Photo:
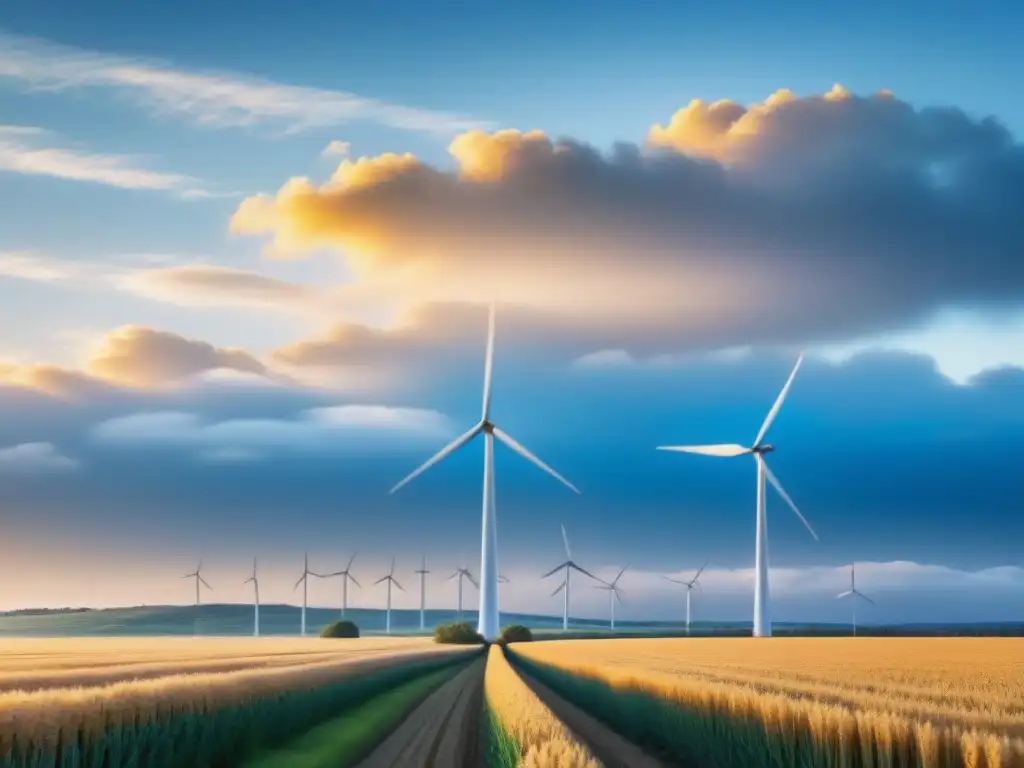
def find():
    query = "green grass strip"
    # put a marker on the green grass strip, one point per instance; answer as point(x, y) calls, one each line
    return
point(500, 749)
point(349, 738)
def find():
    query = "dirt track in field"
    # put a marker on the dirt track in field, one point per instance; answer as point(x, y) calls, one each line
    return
point(607, 746)
point(442, 731)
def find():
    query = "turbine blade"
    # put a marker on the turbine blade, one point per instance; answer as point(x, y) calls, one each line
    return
point(620, 575)
point(565, 540)
point(472, 581)
point(847, 593)
point(674, 581)
point(617, 595)
point(699, 572)
point(350, 561)
point(553, 571)
point(452, 576)
point(560, 588)
point(778, 403)
point(332, 575)
point(785, 496)
point(204, 583)
point(488, 366)
point(303, 576)
point(863, 597)
point(584, 571)
point(724, 450)
point(382, 578)
point(395, 582)
point(526, 454)
point(355, 581)
point(449, 449)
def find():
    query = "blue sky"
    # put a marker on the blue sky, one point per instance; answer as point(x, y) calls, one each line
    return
point(187, 366)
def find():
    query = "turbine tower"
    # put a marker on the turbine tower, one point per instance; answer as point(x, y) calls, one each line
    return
point(613, 593)
point(423, 593)
point(690, 586)
point(488, 626)
point(346, 575)
point(762, 614)
point(256, 604)
point(463, 573)
point(569, 567)
point(197, 574)
point(852, 592)
point(304, 581)
point(390, 579)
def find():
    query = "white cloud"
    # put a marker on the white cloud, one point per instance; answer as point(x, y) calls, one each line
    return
point(35, 458)
point(329, 429)
point(23, 151)
point(216, 99)
point(337, 149)
point(605, 358)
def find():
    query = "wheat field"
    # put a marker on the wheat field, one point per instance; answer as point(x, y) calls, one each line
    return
point(894, 701)
point(528, 733)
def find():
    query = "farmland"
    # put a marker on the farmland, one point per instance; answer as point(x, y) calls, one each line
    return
point(578, 703)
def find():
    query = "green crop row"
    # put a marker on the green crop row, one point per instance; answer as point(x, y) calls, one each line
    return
point(218, 738)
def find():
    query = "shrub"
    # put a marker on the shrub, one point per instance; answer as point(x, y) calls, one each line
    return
point(340, 629)
point(516, 633)
point(460, 633)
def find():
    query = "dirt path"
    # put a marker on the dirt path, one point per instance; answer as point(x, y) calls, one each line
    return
point(441, 732)
point(606, 745)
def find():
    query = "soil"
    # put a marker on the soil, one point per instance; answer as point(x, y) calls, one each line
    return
point(442, 731)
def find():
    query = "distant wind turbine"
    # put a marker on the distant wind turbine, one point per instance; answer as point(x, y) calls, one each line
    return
point(346, 575)
point(390, 579)
point(304, 581)
point(613, 593)
point(762, 613)
point(569, 567)
point(197, 574)
point(504, 579)
point(690, 586)
point(489, 620)
point(423, 593)
point(462, 573)
point(256, 604)
point(852, 592)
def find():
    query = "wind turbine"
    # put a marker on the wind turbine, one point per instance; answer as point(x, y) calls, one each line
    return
point(197, 574)
point(762, 615)
point(462, 573)
point(488, 626)
point(613, 593)
point(504, 579)
point(852, 592)
point(304, 581)
point(569, 567)
point(345, 576)
point(256, 605)
point(690, 586)
point(423, 593)
point(390, 579)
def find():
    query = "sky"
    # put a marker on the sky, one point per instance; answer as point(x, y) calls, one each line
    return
point(246, 253)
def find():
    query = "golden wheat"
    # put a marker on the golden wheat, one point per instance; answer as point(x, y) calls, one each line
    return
point(39, 716)
point(541, 737)
point(950, 701)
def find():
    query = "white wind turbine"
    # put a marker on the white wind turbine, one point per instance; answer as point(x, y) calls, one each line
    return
point(569, 567)
point(462, 573)
point(762, 615)
point(390, 579)
point(690, 586)
point(304, 581)
point(613, 593)
point(346, 575)
point(852, 592)
point(256, 604)
point(197, 574)
point(488, 626)
point(423, 593)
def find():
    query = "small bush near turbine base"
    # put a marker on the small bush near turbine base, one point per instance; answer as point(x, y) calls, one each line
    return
point(340, 629)
point(460, 633)
point(515, 633)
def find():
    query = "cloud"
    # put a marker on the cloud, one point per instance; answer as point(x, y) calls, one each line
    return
point(350, 428)
point(214, 99)
point(336, 148)
point(22, 151)
point(144, 357)
point(33, 458)
point(39, 269)
point(800, 220)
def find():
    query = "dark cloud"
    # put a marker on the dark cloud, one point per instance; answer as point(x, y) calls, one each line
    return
point(803, 219)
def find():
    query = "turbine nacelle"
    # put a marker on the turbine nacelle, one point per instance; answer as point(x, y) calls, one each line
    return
point(762, 449)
